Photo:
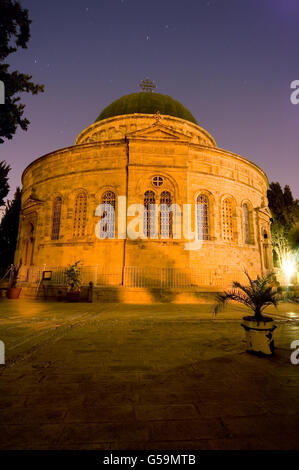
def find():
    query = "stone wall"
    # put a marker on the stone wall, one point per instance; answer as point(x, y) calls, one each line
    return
point(185, 156)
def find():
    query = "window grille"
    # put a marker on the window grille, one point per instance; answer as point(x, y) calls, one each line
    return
point(108, 202)
point(165, 215)
point(202, 214)
point(80, 215)
point(149, 213)
point(246, 223)
point(56, 218)
point(227, 220)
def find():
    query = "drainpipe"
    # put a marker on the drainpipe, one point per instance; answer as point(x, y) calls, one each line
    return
point(259, 240)
point(127, 193)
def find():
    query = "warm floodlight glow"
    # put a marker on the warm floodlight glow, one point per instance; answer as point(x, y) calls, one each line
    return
point(289, 267)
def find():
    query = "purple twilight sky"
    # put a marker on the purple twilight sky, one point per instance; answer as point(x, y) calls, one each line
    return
point(230, 62)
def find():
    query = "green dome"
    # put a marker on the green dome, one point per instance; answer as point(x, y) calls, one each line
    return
point(146, 103)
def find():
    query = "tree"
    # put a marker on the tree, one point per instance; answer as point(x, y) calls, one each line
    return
point(294, 237)
point(4, 186)
point(284, 208)
point(285, 212)
point(276, 201)
point(14, 33)
point(280, 242)
point(9, 230)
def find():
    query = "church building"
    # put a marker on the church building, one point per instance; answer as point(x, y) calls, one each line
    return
point(145, 149)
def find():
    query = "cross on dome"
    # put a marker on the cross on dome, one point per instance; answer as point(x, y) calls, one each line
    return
point(147, 85)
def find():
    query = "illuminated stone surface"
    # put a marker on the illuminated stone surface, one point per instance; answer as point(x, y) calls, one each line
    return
point(142, 377)
point(122, 155)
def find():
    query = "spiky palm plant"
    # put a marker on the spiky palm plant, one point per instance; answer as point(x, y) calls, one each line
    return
point(73, 277)
point(257, 296)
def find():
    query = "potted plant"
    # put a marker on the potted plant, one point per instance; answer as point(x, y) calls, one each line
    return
point(13, 292)
point(73, 281)
point(257, 296)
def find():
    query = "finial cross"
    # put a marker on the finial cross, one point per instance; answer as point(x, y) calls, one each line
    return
point(157, 116)
point(147, 85)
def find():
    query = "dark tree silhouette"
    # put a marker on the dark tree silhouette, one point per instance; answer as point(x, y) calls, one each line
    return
point(9, 230)
point(294, 237)
point(284, 208)
point(285, 213)
point(4, 186)
point(14, 33)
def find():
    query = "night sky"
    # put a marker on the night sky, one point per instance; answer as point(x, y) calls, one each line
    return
point(230, 62)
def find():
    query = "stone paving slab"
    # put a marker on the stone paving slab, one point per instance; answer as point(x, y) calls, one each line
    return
point(166, 412)
point(143, 377)
point(187, 430)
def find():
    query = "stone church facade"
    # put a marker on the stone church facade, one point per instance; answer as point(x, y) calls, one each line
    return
point(150, 158)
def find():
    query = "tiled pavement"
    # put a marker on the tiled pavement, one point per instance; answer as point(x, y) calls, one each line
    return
point(90, 376)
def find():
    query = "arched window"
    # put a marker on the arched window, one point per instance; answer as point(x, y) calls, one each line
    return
point(227, 220)
point(149, 213)
point(56, 218)
point(80, 215)
point(246, 223)
point(165, 215)
point(202, 217)
point(108, 202)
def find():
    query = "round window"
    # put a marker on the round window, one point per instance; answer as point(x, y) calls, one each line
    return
point(157, 181)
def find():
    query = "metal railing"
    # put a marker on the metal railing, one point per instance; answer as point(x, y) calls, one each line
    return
point(134, 276)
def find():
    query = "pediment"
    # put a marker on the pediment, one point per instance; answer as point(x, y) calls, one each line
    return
point(264, 211)
point(32, 202)
point(158, 132)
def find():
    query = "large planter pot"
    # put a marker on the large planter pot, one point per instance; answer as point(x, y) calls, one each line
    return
point(73, 296)
point(13, 292)
point(259, 335)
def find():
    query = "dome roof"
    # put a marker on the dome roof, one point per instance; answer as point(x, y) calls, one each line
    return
point(146, 103)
